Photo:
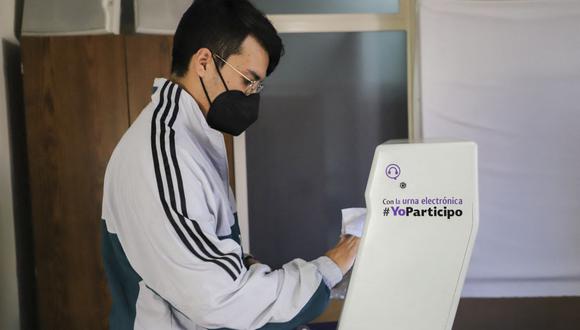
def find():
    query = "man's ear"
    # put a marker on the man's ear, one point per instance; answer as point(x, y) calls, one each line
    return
point(200, 62)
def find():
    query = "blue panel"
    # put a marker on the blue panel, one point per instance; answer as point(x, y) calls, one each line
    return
point(333, 98)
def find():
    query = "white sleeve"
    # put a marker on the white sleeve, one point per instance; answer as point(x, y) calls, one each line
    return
point(168, 234)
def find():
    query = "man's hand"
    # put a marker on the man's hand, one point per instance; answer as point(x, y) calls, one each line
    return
point(344, 253)
point(250, 260)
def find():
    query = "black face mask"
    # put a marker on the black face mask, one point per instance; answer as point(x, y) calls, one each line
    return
point(232, 112)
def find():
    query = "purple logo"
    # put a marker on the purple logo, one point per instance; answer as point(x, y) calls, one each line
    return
point(393, 171)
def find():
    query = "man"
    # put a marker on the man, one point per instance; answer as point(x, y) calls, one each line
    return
point(171, 244)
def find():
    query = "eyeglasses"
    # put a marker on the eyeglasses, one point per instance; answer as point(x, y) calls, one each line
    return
point(254, 87)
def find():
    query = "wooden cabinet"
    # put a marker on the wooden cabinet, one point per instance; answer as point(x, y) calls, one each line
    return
point(147, 57)
point(75, 92)
point(81, 94)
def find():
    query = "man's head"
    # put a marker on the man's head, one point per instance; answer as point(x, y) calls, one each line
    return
point(213, 32)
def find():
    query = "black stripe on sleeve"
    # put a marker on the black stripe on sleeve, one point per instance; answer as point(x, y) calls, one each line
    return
point(170, 185)
point(160, 187)
point(181, 193)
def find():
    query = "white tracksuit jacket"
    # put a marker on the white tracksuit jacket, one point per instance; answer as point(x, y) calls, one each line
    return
point(170, 238)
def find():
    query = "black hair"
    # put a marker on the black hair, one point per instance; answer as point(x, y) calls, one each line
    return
point(222, 26)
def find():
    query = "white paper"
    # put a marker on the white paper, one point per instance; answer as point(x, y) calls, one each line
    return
point(353, 221)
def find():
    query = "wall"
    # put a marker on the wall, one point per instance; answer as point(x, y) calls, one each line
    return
point(9, 306)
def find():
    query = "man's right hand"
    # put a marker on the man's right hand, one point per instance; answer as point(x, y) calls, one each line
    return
point(344, 253)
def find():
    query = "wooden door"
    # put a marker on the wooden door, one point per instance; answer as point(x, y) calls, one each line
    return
point(75, 91)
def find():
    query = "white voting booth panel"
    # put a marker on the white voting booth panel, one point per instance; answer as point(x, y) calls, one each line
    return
point(422, 219)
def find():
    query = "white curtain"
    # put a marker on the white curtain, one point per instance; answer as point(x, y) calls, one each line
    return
point(70, 17)
point(506, 74)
